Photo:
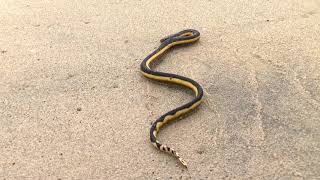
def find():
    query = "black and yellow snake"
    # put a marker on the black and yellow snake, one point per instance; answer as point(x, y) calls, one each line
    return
point(183, 37)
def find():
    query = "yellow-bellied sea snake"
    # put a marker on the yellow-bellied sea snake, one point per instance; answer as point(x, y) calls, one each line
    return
point(183, 37)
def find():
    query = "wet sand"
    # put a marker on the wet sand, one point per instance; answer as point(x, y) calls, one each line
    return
point(73, 104)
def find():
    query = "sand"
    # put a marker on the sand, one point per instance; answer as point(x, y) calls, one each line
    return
point(73, 104)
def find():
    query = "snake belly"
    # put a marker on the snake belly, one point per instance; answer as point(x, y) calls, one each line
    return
point(182, 37)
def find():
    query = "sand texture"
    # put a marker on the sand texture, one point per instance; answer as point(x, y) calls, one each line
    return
point(74, 105)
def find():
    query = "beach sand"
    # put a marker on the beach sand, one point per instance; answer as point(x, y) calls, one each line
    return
point(74, 105)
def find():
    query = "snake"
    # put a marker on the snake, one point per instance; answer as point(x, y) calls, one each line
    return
point(183, 37)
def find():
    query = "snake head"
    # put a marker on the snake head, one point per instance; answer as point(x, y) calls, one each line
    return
point(182, 35)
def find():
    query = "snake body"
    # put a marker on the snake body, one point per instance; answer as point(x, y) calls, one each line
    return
point(182, 37)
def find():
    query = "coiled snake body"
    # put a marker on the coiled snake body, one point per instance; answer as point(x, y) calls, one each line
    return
point(183, 37)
